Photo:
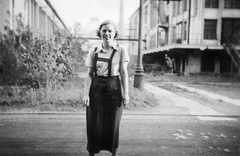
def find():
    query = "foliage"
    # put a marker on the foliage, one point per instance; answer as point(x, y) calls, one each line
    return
point(36, 59)
point(10, 67)
point(65, 98)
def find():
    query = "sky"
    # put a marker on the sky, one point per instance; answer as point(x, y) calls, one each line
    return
point(73, 11)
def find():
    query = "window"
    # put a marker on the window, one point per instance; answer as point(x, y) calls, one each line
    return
point(174, 9)
point(135, 34)
point(174, 34)
point(154, 17)
point(211, 3)
point(131, 29)
point(179, 33)
point(184, 5)
point(145, 43)
point(231, 27)
point(232, 4)
point(159, 40)
point(185, 30)
point(210, 29)
point(35, 16)
point(146, 14)
point(151, 39)
point(237, 27)
point(178, 7)
point(154, 41)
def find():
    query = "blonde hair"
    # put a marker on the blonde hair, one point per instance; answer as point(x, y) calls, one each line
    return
point(106, 23)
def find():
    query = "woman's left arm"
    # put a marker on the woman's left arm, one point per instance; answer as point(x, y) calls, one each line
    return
point(125, 83)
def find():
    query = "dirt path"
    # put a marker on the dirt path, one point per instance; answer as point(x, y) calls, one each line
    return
point(217, 104)
point(231, 90)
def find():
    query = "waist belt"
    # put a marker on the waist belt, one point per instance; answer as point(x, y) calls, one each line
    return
point(107, 77)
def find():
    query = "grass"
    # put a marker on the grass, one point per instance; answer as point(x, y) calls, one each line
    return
point(227, 86)
point(159, 76)
point(67, 98)
point(141, 98)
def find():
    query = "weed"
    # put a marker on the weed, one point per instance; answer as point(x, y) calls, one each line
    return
point(67, 97)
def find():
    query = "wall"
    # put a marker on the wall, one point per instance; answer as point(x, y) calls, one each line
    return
point(196, 22)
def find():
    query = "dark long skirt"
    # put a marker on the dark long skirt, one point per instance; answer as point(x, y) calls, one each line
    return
point(104, 114)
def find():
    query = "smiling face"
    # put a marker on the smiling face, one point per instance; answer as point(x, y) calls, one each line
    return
point(107, 33)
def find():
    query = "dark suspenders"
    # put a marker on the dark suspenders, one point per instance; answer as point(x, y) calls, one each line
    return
point(109, 61)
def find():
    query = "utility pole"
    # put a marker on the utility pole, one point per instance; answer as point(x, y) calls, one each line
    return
point(121, 19)
point(189, 20)
point(139, 75)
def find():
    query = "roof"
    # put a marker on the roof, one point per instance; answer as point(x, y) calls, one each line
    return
point(51, 12)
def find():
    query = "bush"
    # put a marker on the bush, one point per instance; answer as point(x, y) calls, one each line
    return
point(11, 69)
point(38, 61)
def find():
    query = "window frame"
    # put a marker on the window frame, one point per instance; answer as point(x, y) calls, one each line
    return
point(212, 4)
point(210, 29)
point(184, 30)
point(146, 14)
point(178, 7)
point(174, 9)
point(185, 5)
point(232, 4)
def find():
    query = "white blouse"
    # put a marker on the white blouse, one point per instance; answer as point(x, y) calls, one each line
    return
point(119, 57)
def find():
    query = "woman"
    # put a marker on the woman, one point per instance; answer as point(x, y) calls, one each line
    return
point(106, 90)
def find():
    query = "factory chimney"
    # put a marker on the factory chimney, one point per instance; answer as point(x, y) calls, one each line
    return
point(121, 19)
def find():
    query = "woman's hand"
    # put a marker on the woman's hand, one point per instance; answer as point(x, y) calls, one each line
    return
point(86, 100)
point(88, 82)
point(125, 99)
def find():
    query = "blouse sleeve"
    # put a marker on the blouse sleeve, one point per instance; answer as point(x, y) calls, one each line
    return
point(124, 55)
point(89, 62)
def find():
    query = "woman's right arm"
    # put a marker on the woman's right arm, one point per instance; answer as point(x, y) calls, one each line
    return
point(88, 82)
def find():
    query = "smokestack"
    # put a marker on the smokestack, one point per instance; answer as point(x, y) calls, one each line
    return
point(121, 19)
